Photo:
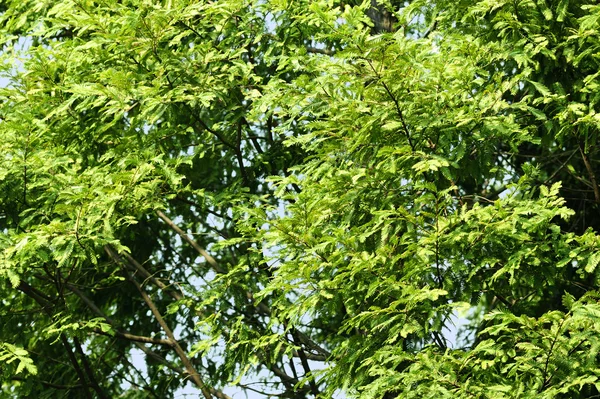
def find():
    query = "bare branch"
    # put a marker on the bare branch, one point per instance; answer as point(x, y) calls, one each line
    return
point(323, 51)
point(211, 261)
point(591, 174)
point(180, 352)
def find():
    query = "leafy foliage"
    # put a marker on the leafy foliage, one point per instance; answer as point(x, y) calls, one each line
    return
point(300, 198)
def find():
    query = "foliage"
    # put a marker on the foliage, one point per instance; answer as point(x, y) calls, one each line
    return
point(300, 198)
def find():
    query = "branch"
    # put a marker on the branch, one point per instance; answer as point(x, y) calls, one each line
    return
point(310, 356)
point(261, 306)
point(135, 338)
point(49, 384)
point(76, 366)
point(88, 369)
point(590, 171)
point(138, 340)
point(211, 261)
point(208, 129)
point(253, 139)
point(137, 267)
point(32, 293)
point(560, 168)
point(306, 367)
point(396, 103)
point(547, 378)
point(118, 333)
point(239, 156)
point(180, 352)
point(323, 51)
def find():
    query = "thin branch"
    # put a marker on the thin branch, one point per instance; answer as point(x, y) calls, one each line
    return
point(396, 103)
point(135, 338)
point(118, 333)
point(88, 369)
point(306, 367)
point(31, 292)
point(239, 156)
point(591, 174)
point(207, 209)
point(252, 138)
point(180, 352)
point(211, 261)
point(208, 129)
point(261, 306)
point(137, 267)
point(547, 378)
point(48, 384)
point(560, 167)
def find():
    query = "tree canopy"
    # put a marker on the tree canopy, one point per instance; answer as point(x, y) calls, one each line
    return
point(300, 199)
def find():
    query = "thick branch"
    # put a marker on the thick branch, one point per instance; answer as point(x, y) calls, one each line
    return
point(76, 366)
point(88, 369)
point(383, 20)
point(323, 51)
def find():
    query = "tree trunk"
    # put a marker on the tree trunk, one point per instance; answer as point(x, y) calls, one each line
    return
point(383, 20)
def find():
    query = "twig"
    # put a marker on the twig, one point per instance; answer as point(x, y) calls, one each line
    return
point(590, 171)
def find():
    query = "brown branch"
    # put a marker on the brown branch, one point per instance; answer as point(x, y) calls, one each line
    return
point(307, 371)
point(285, 378)
point(559, 168)
point(219, 394)
point(309, 356)
point(394, 100)
point(323, 51)
point(88, 369)
point(239, 156)
point(209, 259)
point(118, 333)
point(253, 139)
point(76, 366)
point(138, 268)
point(49, 384)
point(135, 338)
point(180, 352)
point(204, 126)
point(33, 294)
point(261, 306)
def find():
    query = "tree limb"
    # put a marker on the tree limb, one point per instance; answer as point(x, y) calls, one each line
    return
point(591, 174)
point(195, 377)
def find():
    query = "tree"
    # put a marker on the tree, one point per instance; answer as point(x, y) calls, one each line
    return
point(299, 198)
